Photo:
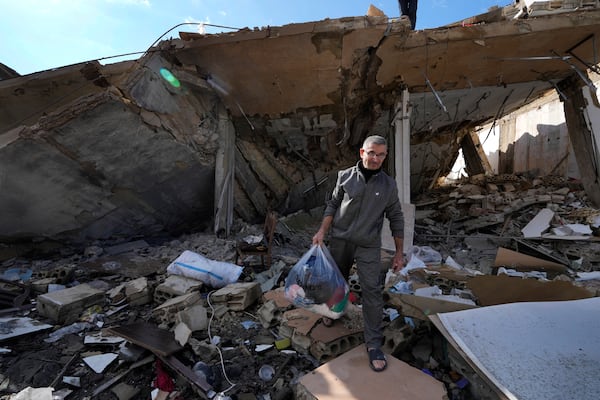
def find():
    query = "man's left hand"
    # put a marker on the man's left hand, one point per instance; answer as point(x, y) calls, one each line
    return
point(398, 262)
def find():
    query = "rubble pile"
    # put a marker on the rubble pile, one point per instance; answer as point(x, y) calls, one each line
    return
point(471, 219)
point(115, 321)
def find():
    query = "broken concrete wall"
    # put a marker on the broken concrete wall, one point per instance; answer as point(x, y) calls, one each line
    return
point(533, 140)
point(132, 156)
point(262, 119)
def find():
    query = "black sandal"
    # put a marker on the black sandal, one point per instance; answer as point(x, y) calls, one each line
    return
point(376, 354)
point(327, 321)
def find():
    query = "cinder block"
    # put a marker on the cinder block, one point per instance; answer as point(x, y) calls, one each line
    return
point(166, 312)
point(324, 352)
point(174, 286)
point(269, 314)
point(237, 296)
point(136, 292)
point(195, 317)
point(395, 340)
point(301, 343)
point(62, 275)
point(285, 331)
point(65, 306)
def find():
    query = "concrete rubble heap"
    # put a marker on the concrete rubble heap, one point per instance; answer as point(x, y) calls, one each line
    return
point(111, 321)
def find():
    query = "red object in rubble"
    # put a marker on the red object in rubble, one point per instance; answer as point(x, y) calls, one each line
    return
point(163, 380)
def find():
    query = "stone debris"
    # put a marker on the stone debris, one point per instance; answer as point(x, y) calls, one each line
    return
point(469, 251)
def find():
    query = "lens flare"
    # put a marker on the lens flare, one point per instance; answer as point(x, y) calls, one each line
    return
point(169, 77)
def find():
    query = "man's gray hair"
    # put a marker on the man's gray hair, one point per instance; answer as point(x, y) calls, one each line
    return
point(374, 139)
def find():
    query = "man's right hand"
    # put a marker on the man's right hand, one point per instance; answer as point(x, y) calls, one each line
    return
point(318, 238)
point(320, 235)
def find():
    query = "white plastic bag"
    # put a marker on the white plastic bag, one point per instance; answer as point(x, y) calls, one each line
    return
point(316, 283)
point(214, 273)
point(426, 254)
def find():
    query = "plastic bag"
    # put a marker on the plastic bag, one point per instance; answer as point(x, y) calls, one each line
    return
point(426, 254)
point(214, 273)
point(316, 283)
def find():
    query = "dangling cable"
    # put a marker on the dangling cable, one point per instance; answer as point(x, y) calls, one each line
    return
point(212, 314)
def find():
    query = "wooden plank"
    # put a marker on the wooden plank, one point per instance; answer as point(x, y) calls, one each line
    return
point(187, 373)
point(107, 384)
point(159, 341)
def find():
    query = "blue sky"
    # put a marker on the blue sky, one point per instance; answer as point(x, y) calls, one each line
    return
point(44, 34)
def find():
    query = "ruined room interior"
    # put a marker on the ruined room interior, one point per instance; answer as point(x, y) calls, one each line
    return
point(110, 172)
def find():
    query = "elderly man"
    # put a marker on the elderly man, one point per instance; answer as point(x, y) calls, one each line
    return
point(363, 195)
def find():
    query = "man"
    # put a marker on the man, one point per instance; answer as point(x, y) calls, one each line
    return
point(354, 215)
point(409, 8)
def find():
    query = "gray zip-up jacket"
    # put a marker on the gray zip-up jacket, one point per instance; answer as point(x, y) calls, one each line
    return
point(359, 207)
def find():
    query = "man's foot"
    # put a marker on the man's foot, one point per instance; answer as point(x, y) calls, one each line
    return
point(377, 360)
point(404, 20)
point(327, 321)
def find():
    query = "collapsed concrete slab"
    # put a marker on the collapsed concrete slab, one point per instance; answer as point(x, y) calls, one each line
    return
point(208, 127)
point(535, 350)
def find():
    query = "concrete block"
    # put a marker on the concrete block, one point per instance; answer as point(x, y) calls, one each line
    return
point(301, 343)
point(182, 333)
point(61, 275)
point(137, 292)
point(285, 331)
point(395, 340)
point(237, 296)
point(65, 306)
point(166, 313)
point(195, 317)
point(324, 352)
point(174, 286)
point(269, 314)
point(41, 285)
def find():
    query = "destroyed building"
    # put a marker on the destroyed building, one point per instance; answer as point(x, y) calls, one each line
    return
point(190, 138)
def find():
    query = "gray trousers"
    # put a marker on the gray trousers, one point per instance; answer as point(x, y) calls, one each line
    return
point(372, 279)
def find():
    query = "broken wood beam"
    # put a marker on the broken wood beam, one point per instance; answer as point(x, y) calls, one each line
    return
point(120, 376)
point(63, 370)
point(187, 373)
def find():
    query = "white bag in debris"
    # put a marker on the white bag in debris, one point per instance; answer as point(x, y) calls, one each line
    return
point(214, 273)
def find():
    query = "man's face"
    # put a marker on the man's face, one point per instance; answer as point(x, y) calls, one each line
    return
point(373, 155)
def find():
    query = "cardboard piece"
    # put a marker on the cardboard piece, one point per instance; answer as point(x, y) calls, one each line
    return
point(349, 377)
point(522, 262)
point(502, 289)
point(302, 320)
point(421, 307)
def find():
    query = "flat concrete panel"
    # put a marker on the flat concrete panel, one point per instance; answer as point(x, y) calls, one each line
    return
point(532, 351)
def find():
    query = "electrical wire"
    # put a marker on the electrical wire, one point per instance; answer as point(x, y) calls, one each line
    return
point(210, 338)
point(189, 23)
